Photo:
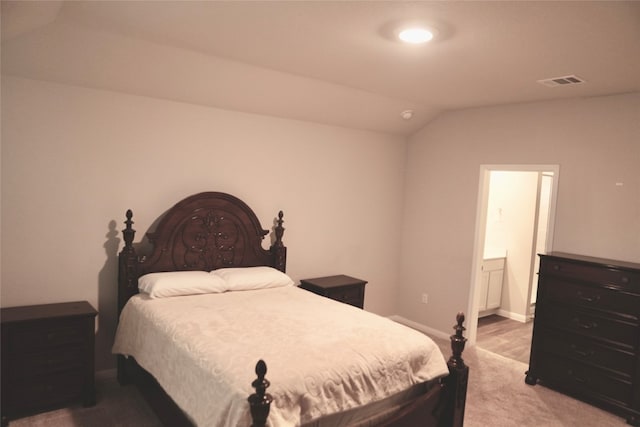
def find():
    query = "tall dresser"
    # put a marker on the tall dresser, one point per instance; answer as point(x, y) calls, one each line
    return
point(586, 334)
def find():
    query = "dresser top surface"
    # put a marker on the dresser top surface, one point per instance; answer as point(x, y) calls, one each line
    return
point(47, 311)
point(593, 260)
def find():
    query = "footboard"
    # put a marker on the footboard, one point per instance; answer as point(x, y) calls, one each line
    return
point(442, 406)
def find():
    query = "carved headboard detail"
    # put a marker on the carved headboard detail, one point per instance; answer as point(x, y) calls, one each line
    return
point(205, 231)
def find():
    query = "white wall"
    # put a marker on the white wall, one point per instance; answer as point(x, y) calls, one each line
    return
point(596, 143)
point(74, 159)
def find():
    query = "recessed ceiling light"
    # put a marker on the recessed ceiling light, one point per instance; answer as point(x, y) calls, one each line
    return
point(407, 114)
point(415, 35)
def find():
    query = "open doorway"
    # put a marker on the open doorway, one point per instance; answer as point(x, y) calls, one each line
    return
point(514, 222)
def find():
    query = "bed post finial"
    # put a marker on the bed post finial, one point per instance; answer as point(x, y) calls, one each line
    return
point(128, 233)
point(458, 341)
point(456, 381)
point(279, 229)
point(260, 401)
point(278, 249)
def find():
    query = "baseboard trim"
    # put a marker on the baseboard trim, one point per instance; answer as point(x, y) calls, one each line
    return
point(513, 316)
point(419, 326)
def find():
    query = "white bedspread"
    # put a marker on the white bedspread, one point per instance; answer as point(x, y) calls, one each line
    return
point(322, 356)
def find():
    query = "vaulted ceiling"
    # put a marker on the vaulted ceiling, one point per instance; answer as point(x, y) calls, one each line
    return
point(333, 62)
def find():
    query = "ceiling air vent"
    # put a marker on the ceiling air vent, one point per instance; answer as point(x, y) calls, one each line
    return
point(562, 81)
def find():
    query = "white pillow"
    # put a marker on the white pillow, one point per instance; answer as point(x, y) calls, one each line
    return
point(175, 283)
point(247, 278)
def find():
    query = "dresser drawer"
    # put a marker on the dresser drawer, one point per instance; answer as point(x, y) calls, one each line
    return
point(35, 336)
point(590, 325)
point(49, 390)
point(587, 351)
point(611, 299)
point(586, 380)
point(591, 273)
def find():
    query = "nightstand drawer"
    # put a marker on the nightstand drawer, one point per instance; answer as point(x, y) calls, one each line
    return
point(62, 359)
point(33, 336)
point(349, 294)
point(49, 390)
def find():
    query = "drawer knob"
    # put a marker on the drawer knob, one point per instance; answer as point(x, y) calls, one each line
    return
point(588, 298)
point(580, 352)
point(585, 325)
point(576, 378)
point(556, 267)
point(624, 279)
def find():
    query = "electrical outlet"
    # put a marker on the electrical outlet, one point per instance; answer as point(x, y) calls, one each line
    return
point(425, 298)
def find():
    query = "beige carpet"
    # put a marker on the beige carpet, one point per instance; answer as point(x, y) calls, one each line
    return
point(497, 397)
point(117, 407)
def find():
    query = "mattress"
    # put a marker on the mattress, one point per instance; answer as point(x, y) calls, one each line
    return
point(324, 358)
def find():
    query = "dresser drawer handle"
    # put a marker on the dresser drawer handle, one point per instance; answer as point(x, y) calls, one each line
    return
point(51, 336)
point(577, 379)
point(624, 279)
point(556, 267)
point(592, 298)
point(582, 353)
point(585, 325)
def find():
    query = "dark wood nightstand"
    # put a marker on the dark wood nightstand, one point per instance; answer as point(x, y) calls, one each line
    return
point(47, 357)
point(341, 288)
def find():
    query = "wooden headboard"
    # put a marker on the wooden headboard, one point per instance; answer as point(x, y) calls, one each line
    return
point(205, 231)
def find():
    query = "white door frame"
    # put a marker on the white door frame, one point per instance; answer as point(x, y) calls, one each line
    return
point(479, 238)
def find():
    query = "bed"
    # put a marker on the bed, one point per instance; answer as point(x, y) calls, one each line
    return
point(214, 333)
